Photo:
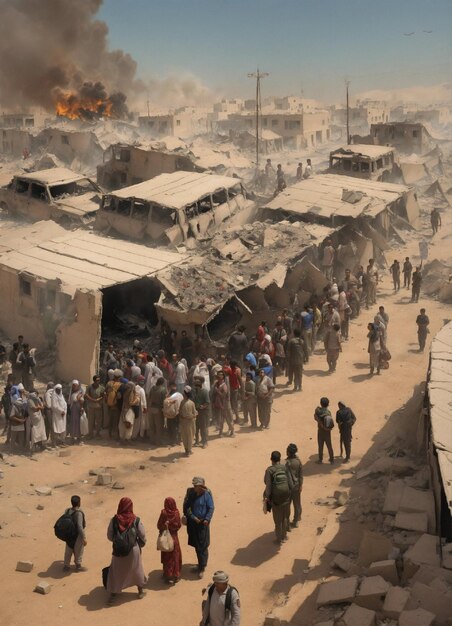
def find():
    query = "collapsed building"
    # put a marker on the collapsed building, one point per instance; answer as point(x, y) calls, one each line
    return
point(363, 214)
point(363, 161)
point(407, 137)
point(63, 290)
point(176, 208)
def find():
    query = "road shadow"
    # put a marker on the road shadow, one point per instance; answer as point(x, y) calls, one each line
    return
point(55, 570)
point(311, 467)
point(95, 600)
point(316, 373)
point(285, 584)
point(361, 366)
point(359, 378)
point(169, 458)
point(258, 551)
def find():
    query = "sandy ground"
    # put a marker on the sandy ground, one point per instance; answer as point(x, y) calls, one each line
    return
point(242, 536)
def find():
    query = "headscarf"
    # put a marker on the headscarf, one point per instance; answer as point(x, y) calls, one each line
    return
point(171, 512)
point(57, 401)
point(125, 514)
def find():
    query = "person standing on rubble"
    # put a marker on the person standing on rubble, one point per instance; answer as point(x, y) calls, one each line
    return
point(435, 220)
point(345, 419)
point(395, 273)
point(407, 269)
point(422, 322)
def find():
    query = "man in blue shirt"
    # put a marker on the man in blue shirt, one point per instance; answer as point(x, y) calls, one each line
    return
point(307, 321)
point(198, 509)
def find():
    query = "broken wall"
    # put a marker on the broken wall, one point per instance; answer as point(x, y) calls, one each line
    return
point(14, 141)
point(78, 338)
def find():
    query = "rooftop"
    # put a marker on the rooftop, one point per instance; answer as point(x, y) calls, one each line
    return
point(366, 150)
point(322, 195)
point(79, 259)
point(53, 176)
point(178, 189)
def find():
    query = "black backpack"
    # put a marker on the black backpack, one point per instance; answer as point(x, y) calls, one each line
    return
point(123, 542)
point(65, 527)
point(227, 603)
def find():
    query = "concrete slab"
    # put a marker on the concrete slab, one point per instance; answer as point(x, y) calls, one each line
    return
point(337, 591)
point(412, 521)
point(24, 566)
point(373, 547)
point(386, 569)
point(393, 496)
point(358, 616)
point(342, 562)
point(416, 617)
point(424, 551)
point(430, 599)
point(43, 587)
point(395, 602)
point(419, 500)
point(372, 593)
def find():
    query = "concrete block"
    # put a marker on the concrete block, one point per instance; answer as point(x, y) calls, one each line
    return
point(43, 587)
point(43, 491)
point(395, 602)
point(65, 452)
point(430, 599)
point(386, 569)
point(425, 550)
point(342, 562)
point(412, 521)
point(97, 470)
point(416, 617)
point(427, 573)
point(372, 592)
point(440, 585)
point(358, 616)
point(393, 496)
point(373, 547)
point(117, 485)
point(104, 479)
point(24, 566)
point(419, 501)
point(337, 591)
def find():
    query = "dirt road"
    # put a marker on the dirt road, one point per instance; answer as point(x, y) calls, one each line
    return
point(242, 538)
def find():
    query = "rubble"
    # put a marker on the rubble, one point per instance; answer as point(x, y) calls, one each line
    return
point(373, 547)
point(337, 591)
point(104, 479)
point(416, 617)
point(372, 592)
point(343, 563)
point(43, 491)
point(412, 521)
point(395, 601)
point(43, 587)
point(24, 566)
point(117, 485)
point(386, 569)
point(358, 616)
point(430, 599)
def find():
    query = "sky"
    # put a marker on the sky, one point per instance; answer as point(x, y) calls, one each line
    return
point(306, 46)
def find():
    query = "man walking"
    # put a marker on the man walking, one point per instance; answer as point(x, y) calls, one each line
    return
point(201, 398)
point(435, 220)
point(295, 471)
point(422, 322)
point(277, 495)
point(76, 547)
point(345, 418)
point(407, 269)
point(325, 425)
point(296, 353)
point(198, 510)
point(395, 273)
point(416, 284)
point(222, 606)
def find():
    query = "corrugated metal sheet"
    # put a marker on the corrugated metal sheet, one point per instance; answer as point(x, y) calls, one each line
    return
point(322, 195)
point(53, 176)
point(367, 150)
point(440, 397)
point(80, 259)
point(178, 189)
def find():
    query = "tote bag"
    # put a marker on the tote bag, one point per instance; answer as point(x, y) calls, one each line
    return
point(84, 428)
point(165, 542)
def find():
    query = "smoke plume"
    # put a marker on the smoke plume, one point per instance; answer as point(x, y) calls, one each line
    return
point(56, 47)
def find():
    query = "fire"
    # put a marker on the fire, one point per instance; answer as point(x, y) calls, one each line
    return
point(74, 107)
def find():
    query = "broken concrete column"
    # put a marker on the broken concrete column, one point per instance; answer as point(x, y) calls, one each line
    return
point(337, 591)
point(24, 566)
point(104, 479)
point(372, 592)
point(358, 616)
point(395, 602)
point(386, 569)
point(373, 547)
point(416, 617)
point(43, 587)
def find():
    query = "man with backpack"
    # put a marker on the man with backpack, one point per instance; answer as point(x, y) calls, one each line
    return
point(278, 486)
point(222, 606)
point(295, 471)
point(70, 528)
point(325, 425)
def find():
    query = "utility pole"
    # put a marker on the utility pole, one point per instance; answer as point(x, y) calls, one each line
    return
point(147, 103)
point(258, 75)
point(347, 83)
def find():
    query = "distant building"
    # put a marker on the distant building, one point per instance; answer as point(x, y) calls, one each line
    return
point(360, 117)
point(184, 122)
point(363, 161)
point(405, 136)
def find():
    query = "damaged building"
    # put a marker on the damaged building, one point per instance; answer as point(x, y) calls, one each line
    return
point(176, 208)
point(407, 137)
point(124, 165)
point(65, 290)
point(57, 193)
point(363, 161)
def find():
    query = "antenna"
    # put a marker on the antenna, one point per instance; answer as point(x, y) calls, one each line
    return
point(258, 75)
point(347, 83)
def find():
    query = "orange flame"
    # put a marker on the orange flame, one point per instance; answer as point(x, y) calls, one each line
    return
point(73, 107)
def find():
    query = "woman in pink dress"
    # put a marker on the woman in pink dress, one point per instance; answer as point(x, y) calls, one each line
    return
point(172, 561)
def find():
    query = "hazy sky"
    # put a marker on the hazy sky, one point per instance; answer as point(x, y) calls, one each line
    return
point(311, 45)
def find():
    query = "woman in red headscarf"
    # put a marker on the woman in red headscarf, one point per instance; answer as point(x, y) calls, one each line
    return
point(126, 571)
point(172, 561)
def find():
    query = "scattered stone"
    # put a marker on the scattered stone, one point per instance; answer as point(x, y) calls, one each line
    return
point(373, 547)
point(419, 501)
point(40, 507)
point(418, 617)
point(372, 593)
point(65, 452)
point(337, 591)
point(438, 584)
point(341, 497)
point(412, 521)
point(424, 551)
point(386, 569)
point(358, 616)
point(104, 479)
point(24, 566)
point(427, 598)
point(342, 562)
point(43, 491)
point(395, 602)
point(98, 470)
point(275, 621)
point(393, 496)
point(43, 587)
point(117, 485)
